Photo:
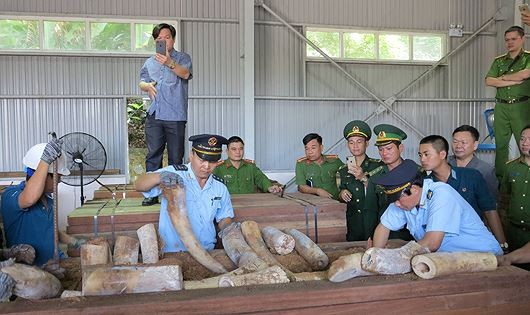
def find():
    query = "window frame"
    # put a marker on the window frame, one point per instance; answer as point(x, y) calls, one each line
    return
point(87, 21)
point(377, 34)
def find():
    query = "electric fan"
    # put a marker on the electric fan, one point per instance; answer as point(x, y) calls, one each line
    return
point(85, 158)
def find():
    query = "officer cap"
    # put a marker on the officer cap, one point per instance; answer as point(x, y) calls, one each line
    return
point(388, 133)
point(357, 128)
point(208, 147)
point(397, 180)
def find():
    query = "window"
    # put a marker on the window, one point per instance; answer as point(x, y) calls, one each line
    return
point(376, 45)
point(78, 35)
point(19, 34)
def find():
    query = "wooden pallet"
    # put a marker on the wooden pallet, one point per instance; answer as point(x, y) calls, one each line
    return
point(294, 211)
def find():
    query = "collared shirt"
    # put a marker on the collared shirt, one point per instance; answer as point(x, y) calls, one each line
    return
point(487, 170)
point(203, 205)
point(515, 186)
point(442, 209)
point(243, 180)
point(33, 225)
point(470, 184)
point(171, 102)
point(501, 66)
point(321, 176)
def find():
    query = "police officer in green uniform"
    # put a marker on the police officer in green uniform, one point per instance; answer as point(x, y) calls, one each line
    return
point(515, 195)
point(389, 145)
point(354, 178)
point(509, 73)
point(242, 176)
point(317, 173)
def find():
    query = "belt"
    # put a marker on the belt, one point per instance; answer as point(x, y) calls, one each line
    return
point(513, 100)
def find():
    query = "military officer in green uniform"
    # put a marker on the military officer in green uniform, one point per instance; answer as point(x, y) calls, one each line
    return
point(509, 73)
point(515, 195)
point(317, 173)
point(389, 144)
point(242, 176)
point(354, 178)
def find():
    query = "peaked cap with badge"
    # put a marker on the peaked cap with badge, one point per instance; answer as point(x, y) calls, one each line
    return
point(208, 147)
point(388, 133)
point(357, 128)
point(397, 180)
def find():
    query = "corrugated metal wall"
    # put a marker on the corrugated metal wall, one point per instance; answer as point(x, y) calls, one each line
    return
point(210, 35)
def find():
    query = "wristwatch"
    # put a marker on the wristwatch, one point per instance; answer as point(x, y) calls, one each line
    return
point(172, 64)
point(504, 245)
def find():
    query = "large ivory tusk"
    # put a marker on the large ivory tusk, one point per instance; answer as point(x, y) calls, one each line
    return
point(252, 233)
point(278, 242)
point(33, 283)
point(434, 265)
point(347, 267)
point(316, 258)
point(148, 243)
point(176, 207)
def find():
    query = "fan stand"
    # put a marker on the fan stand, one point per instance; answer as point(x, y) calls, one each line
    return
point(78, 159)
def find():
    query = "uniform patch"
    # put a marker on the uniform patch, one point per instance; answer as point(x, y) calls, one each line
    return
point(429, 194)
point(180, 167)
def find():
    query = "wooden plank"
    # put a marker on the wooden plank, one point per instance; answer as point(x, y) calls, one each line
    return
point(506, 289)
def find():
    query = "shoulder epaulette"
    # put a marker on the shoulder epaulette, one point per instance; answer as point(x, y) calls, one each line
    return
point(217, 178)
point(331, 156)
point(375, 171)
point(512, 160)
point(180, 167)
point(249, 161)
point(219, 163)
point(301, 159)
point(500, 56)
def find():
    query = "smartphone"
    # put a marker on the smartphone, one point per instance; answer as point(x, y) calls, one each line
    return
point(351, 161)
point(524, 8)
point(161, 47)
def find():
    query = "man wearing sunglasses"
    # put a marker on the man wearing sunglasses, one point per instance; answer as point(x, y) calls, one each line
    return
point(437, 216)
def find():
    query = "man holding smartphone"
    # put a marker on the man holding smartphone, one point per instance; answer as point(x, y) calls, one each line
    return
point(165, 77)
point(354, 178)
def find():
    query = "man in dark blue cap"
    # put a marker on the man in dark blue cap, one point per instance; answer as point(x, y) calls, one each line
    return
point(207, 198)
point(435, 214)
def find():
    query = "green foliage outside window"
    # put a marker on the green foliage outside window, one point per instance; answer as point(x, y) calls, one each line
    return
point(329, 42)
point(76, 34)
point(395, 47)
point(375, 45)
point(427, 47)
point(359, 46)
point(63, 35)
point(19, 34)
point(144, 41)
point(110, 36)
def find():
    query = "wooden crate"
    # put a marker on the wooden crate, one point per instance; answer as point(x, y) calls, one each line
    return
point(294, 211)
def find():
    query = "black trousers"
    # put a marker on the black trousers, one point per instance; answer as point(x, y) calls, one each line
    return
point(158, 133)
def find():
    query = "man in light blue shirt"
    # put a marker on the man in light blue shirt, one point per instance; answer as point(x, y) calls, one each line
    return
point(434, 213)
point(165, 77)
point(207, 198)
